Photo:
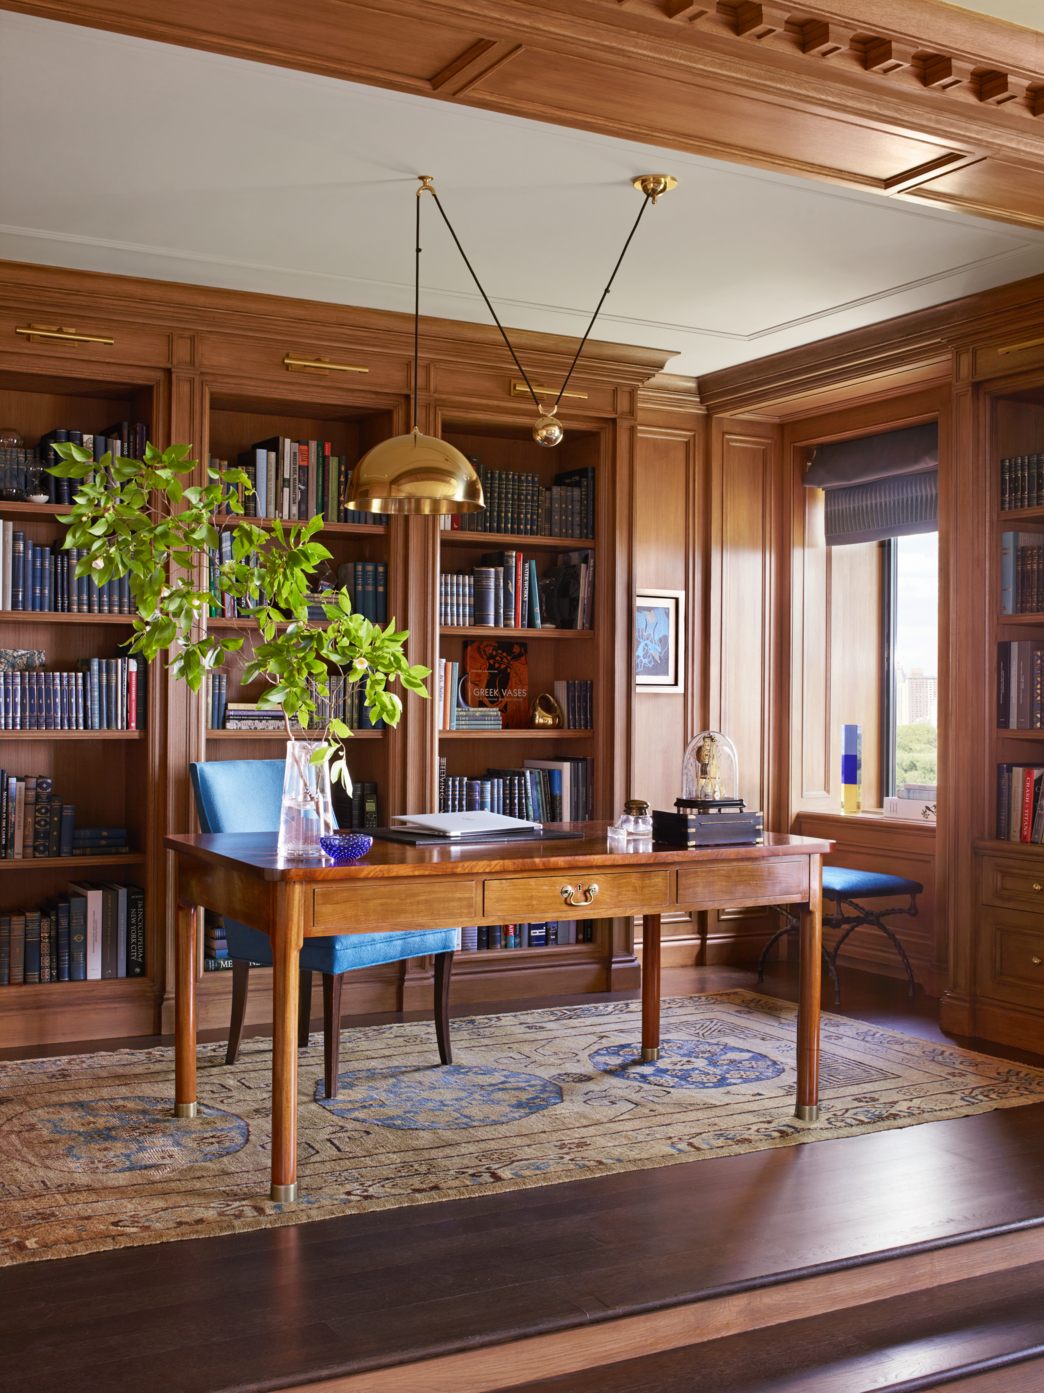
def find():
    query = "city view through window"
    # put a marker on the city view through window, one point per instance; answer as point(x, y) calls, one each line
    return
point(916, 659)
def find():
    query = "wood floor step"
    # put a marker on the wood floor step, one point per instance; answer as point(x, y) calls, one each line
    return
point(584, 1356)
point(983, 1335)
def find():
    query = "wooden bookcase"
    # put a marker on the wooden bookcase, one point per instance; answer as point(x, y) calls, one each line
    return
point(110, 776)
point(207, 368)
point(1009, 952)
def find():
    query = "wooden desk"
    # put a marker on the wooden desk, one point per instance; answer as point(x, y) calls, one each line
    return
point(396, 887)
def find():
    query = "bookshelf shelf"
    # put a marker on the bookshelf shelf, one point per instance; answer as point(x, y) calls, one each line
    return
point(516, 734)
point(489, 631)
point(282, 735)
point(219, 622)
point(50, 511)
point(73, 735)
point(1020, 734)
point(1022, 620)
point(47, 616)
point(509, 541)
point(343, 529)
point(1033, 851)
point(1019, 515)
point(69, 863)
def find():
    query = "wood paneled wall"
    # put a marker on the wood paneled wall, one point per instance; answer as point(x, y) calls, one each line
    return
point(668, 528)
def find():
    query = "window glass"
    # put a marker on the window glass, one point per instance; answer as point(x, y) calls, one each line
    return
point(915, 658)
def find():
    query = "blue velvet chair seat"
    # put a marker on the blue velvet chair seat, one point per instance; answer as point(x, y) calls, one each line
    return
point(346, 951)
point(840, 883)
point(245, 796)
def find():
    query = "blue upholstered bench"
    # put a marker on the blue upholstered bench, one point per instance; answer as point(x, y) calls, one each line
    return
point(848, 887)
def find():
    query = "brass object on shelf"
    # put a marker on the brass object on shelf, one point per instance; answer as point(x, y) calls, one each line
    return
point(415, 474)
point(37, 333)
point(319, 366)
point(519, 389)
point(546, 714)
point(653, 185)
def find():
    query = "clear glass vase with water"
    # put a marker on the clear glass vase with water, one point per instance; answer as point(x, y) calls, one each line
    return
point(307, 809)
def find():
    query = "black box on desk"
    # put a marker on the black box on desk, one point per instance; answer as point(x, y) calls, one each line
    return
point(727, 828)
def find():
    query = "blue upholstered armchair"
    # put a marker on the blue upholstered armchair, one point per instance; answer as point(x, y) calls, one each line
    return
point(244, 795)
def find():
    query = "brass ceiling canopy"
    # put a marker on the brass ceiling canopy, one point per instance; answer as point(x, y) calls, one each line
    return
point(415, 474)
point(652, 185)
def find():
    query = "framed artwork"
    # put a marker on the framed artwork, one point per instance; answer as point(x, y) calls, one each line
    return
point(659, 640)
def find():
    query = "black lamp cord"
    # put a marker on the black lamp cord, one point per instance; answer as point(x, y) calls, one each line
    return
point(496, 320)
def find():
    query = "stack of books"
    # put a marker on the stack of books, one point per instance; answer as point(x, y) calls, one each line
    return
point(295, 480)
point(1022, 481)
point(576, 702)
point(124, 438)
point(518, 506)
point(544, 790)
point(95, 930)
point(43, 579)
point(1020, 806)
point(1022, 573)
point(105, 694)
point(1020, 685)
point(35, 823)
point(505, 937)
point(452, 711)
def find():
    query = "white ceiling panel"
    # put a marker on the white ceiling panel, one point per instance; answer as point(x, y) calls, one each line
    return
point(121, 155)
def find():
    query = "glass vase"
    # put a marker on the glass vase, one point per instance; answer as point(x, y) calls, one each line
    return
point(306, 813)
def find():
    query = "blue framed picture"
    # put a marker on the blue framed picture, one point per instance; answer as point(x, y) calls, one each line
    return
point(659, 640)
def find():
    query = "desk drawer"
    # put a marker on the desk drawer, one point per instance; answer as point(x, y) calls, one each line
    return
point(732, 884)
point(1012, 883)
point(385, 904)
point(540, 896)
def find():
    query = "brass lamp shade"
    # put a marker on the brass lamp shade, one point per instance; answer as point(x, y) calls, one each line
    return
point(414, 474)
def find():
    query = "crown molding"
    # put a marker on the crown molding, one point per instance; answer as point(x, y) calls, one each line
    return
point(902, 353)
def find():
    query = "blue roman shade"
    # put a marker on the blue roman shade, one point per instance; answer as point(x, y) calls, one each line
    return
point(879, 485)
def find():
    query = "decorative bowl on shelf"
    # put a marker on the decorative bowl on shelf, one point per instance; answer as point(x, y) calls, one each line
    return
point(345, 847)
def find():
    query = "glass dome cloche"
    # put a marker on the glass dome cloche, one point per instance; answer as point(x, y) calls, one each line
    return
point(710, 770)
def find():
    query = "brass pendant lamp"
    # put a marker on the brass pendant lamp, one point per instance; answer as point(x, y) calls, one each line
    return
point(418, 473)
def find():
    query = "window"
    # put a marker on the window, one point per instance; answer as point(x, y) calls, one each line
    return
point(910, 661)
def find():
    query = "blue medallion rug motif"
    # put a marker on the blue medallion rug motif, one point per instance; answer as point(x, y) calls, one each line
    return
point(92, 1158)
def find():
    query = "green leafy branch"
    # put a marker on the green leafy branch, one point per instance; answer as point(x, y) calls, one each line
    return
point(137, 518)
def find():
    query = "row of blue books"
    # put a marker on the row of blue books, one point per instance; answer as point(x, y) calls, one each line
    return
point(122, 438)
point(43, 579)
point(94, 931)
point(103, 694)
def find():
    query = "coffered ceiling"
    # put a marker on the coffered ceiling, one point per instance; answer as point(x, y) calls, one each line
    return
point(196, 167)
point(907, 98)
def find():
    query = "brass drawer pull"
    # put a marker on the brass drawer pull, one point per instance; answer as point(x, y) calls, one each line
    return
point(317, 365)
point(567, 895)
point(1036, 886)
point(52, 331)
point(1035, 962)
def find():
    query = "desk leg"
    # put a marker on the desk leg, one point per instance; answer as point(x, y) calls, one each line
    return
point(811, 964)
point(185, 1104)
point(650, 987)
point(287, 937)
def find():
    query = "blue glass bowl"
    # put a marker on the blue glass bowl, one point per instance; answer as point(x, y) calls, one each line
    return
point(345, 847)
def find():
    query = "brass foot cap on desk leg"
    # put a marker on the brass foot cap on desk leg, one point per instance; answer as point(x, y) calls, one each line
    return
point(807, 1112)
point(284, 1194)
point(186, 1109)
point(648, 1055)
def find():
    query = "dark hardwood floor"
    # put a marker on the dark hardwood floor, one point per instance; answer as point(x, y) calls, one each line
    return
point(275, 1308)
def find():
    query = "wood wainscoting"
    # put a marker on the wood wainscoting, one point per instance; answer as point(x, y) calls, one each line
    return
point(870, 842)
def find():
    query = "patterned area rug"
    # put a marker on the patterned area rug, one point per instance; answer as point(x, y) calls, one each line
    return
point(91, 1158)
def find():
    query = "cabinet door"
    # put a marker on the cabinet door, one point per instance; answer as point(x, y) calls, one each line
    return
point(1012, 956)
